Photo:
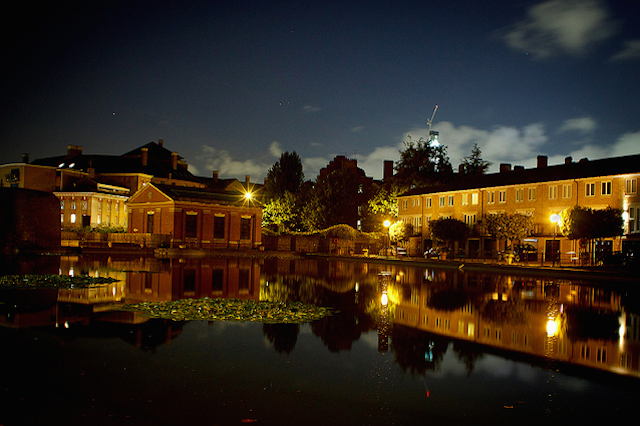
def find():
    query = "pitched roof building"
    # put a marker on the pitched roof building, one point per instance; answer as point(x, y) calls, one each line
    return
point(539, 192)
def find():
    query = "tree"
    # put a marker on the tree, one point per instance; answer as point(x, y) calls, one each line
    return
point(285, 175)
point(422, 164)
point(474, 164)
point(332, 200)
point(449, 230)
point(588, 225)
point(282, 212)
point(400, 231)
point(509, 227)
point(382, 205)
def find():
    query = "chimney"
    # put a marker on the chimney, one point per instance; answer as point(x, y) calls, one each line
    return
point(542, 161)
point(73, 150)
point(518, 168)
point(145, 156)
point(215, 176)
point(174, 160)
point(505, 167)
point(387, 170)
point(461, 169)
point(161, 142)
point(25, 158)
point(246, 179)
point(568, 160)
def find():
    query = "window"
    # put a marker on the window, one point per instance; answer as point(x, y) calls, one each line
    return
point(502, 196)
point(245, 228)
point(450, 200)
point(62, 218)
point(590, 189)
point(85, 204)
point(606, 188)
point(519, 195)
point(73, 204)
point(150, 222)
point(474, 199)
point(465, 199)
point(634, 212)
point(62, 204)
point(491, 197)
point(532, 194)
point(553, 192)
point(73, 218)
point(218, 226)
point(404, 204)
point(191, 225)
point(470, 219)
point(428, 203)
point(566, 191)
point(442, 201)
point(631, 186)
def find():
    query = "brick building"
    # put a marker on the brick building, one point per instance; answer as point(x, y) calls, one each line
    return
point(193, 217)
point(538, 192)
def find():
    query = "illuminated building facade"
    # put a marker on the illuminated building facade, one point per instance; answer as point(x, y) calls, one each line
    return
point(538, 192)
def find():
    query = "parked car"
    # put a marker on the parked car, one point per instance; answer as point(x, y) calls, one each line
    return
point(520, 252)
point(435, 252)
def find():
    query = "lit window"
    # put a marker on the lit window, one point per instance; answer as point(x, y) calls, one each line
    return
point(73, 218)
point(519, 195)
point(465, 199)
point(474, 199)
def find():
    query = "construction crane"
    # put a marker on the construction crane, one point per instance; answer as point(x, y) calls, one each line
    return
point(430, 120)
point(433, 136)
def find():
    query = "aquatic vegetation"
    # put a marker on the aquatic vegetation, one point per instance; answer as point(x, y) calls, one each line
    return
point(208, 309)
point(52, 281)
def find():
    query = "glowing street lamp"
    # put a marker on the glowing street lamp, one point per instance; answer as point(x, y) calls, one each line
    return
point(555, 218)
point(387, 224)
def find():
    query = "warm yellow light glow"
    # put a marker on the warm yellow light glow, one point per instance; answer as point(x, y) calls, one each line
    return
point(384, 299)
point(248, 195)
point(387, 224)
point(552, 327)
point(555, 218)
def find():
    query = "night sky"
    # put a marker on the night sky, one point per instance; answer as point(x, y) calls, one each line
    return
point(230, 85)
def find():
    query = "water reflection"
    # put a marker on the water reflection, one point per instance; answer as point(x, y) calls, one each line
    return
point(418, 313)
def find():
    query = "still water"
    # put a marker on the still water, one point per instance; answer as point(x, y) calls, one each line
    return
point(409, 344)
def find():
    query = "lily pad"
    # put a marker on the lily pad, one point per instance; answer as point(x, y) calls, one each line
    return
point(207, 309)
point(52, 281)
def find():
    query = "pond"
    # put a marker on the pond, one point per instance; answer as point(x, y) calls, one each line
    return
point(405, 344)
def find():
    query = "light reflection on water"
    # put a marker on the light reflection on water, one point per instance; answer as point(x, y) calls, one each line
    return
point(409, 343)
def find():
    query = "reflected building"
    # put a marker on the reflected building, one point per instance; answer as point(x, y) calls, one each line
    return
point(564, 322)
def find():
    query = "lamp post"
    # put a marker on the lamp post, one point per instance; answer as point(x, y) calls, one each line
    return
point(554, 219)
point(387, 224)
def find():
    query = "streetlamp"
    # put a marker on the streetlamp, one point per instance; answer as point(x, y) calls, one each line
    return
point(555, 218)
point(387, 224)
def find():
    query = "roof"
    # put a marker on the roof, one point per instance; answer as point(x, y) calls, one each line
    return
point(582, 169)
point(203, 195)
point(158, 163)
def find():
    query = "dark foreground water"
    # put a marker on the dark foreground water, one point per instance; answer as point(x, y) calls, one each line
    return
point(410, 345)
